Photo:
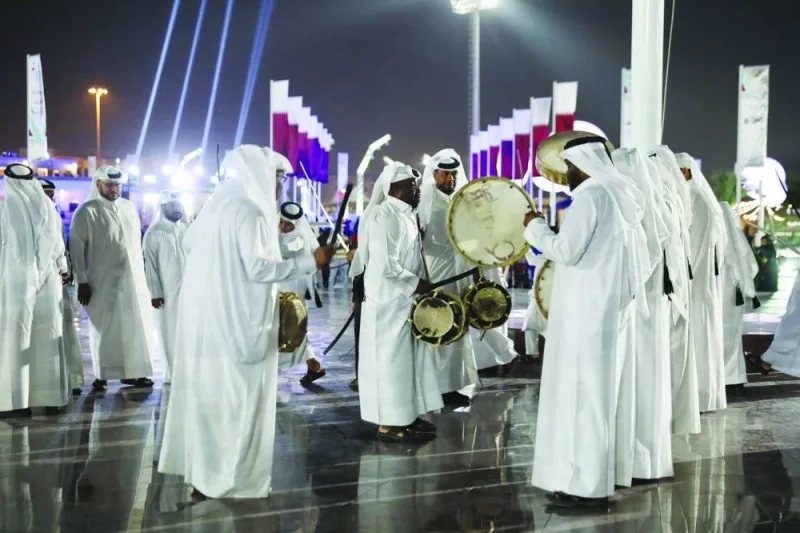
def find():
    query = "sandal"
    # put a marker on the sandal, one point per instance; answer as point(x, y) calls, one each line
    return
point(421, 426)
point(562, 499)
point(312, 376)
point(402, 435)
point(99, 385)
point(757, 362)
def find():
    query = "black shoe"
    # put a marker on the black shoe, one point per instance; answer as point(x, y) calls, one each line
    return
point(354, 385)
point(99, 385)
point(312, 376)
point(139, 383)
point(77, 391)
point(455, 399)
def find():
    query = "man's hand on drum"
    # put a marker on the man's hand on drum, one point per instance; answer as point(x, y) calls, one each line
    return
point(529, 216)
point(423, 287)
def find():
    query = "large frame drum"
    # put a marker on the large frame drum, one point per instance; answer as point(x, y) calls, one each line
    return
point(293, 321)
point(543, 287)
point(488, 305)
point(438, 318)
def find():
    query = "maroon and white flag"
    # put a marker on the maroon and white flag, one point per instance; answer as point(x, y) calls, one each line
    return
point(494, 151)
point(279, 116)
point(484, 159)
point(522, 142)
point(565, 104)
point(506, 147)
point(474, 155)
point(540, 126)
point(295, 109)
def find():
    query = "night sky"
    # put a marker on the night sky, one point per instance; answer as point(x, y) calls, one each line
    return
point(369, 67)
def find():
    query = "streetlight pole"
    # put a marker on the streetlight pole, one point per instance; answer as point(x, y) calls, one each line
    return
point(473, 8)
point(98, 93)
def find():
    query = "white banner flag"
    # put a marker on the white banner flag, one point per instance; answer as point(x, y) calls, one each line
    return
point(37, 115)
point(626, 129)
point(751, 141)
point(342, 171)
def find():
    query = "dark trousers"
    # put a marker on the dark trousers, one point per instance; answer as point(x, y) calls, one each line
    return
point(358, 298)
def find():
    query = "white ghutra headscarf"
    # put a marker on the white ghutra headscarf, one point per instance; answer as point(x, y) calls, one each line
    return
point(447, 159)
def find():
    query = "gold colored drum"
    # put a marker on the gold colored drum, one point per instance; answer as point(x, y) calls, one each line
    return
point(488, 305)
point(293, 322)
point(438, 318)
point(549, 162)
point(543, 287)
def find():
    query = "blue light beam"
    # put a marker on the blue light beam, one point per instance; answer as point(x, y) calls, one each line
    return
point(222, 42)
point(262, 30)
point(164, 48)
point(189, 67)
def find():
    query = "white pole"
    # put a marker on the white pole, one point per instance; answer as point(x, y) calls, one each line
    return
point(761, 206)
point(475, 87)
point(737, 167)
point(647, 72)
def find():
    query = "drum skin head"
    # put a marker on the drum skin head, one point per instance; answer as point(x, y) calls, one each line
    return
point(488, 305)
point(438, 318)
point(485, 222)
point(292, 323)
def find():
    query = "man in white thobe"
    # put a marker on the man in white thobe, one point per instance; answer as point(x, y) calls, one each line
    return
point(220, 428)
point(650, 350)
point(70, 346)
point(298, 239)
point(33, 369)
point(739, 269)
point(783, 354)
point(397, 380)
point(677, 285)
point(535, 322)
point(596, 256)
point(106, 247)
point(443, 176)
point(164, 262)
point(708, 238)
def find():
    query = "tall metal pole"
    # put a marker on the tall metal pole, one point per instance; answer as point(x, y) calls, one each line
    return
point(647, 73)
point(97, 96)
point(475, 77)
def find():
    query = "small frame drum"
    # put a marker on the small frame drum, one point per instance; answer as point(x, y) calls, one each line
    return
point(485, 221)
point(438, 318)
point(488, 305)
point(543, 287)
point(293, 321)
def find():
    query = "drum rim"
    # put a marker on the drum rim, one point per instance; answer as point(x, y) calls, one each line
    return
point(547, 264)
point(461, 330)
point(517, 256)
point(471, 293)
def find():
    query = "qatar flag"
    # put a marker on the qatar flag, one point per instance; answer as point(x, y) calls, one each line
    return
point(522, 141)
point(326, 157)
point(295, 109)
point(494, 150)
point(506, 147)
point(279, 116)
point(565, 103)
point(303, 122)
point(475, 155)
point(484, 156)
point(314, 150)
point(540, 126)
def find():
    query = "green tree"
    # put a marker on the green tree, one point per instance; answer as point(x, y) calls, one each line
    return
point(723, 183)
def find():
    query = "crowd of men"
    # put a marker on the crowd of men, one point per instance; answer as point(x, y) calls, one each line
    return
point(643, 335)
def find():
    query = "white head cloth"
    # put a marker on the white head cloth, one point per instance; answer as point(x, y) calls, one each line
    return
point(632, 163)
point(105, 173)
point(593, 159)
point(717, 227)
point(428, 189)
point(164, 198)
point(30, 228)
point(738, 255)
point(302, 229)
point(249, 176)
point(281, 161)
point(392, 173)
point(674, 180)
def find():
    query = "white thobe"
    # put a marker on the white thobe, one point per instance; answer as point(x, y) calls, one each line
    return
point(575, 450)
point(106, 245)
point(733, 328)
point(165, 261)
point(70, 346)
point(706, 313)
point(784, 352)
point(493, 347)
point(535, 322)
point(227, 342)
point(397, 380)
point(292, 248)
point(455, 363)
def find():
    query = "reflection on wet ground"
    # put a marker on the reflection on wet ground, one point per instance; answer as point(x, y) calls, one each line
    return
point(94, 467)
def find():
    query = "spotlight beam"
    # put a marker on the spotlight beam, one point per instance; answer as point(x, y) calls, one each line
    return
point(176, 4)
point(189, 67)
point(264, 17)
point(215, 84)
